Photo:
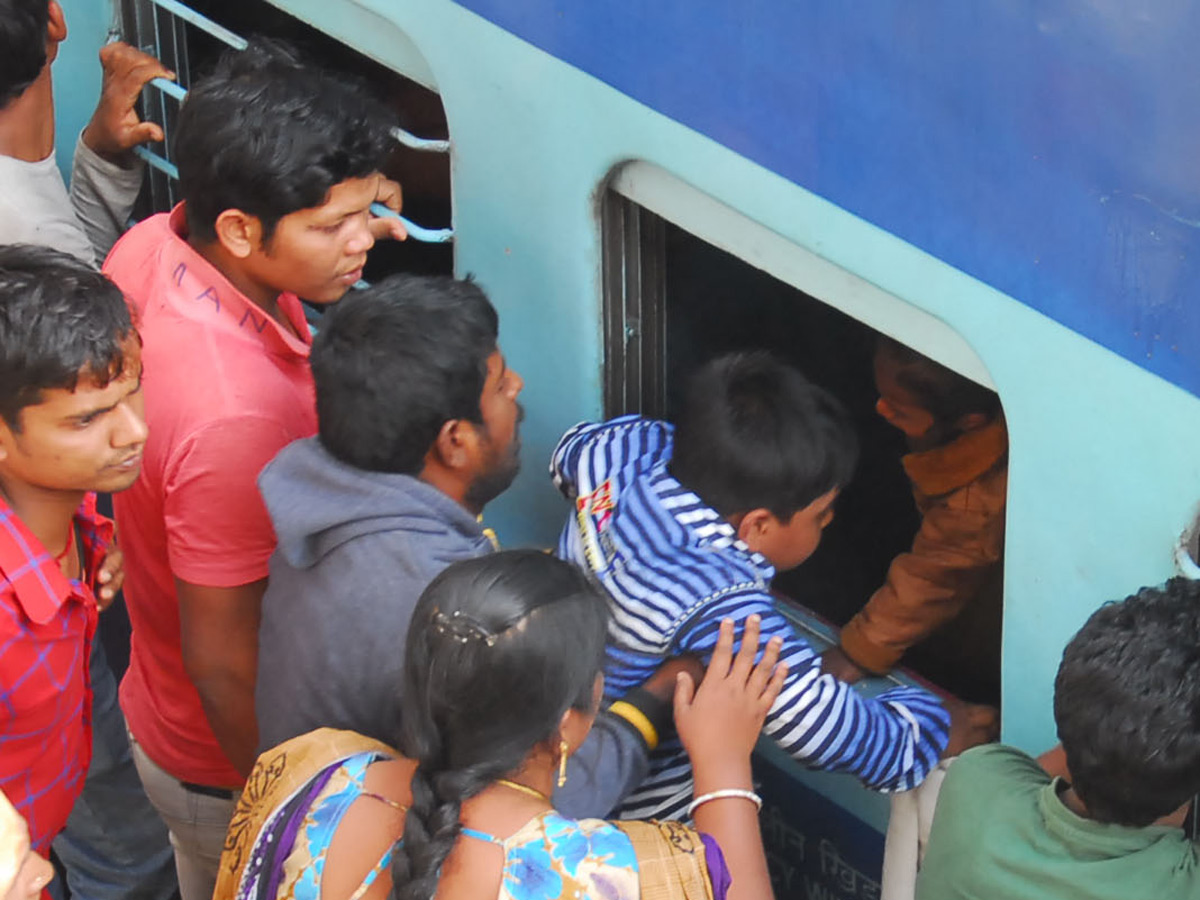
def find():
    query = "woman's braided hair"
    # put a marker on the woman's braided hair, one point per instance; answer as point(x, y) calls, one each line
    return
point(498, 649)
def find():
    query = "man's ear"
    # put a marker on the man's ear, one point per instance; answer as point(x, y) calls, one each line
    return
point(454, 443)
point(56, 30)
point(6, 437)
point(754, 526)
point(573, 727)
point(238, 232)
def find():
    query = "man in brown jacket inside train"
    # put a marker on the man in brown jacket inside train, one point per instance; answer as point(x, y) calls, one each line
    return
point(945, 593)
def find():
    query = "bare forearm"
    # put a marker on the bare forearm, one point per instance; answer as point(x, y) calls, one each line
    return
point(733, 823)
point(718, 725)
point(218, 629)
point(228, 701)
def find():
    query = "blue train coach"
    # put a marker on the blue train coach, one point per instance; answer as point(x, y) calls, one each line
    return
point(1007, 187)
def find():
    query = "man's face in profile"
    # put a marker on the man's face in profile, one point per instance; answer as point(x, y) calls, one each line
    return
point(499, 434)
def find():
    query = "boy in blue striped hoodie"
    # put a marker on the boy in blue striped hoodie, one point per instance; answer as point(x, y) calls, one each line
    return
point(687, 525)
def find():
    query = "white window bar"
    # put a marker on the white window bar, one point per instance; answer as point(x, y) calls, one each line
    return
point(170, 88)
point(415, 231)
point(425, 145)
point(189, 15)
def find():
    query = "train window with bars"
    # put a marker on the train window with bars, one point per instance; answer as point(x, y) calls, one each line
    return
point(673, 300)
point(189, 38)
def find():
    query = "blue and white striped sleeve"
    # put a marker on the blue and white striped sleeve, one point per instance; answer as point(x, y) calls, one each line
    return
point(890, 742)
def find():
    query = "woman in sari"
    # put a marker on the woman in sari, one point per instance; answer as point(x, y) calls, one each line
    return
point(502, 682)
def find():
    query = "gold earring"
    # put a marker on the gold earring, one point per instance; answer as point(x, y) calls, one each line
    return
point(562, 763)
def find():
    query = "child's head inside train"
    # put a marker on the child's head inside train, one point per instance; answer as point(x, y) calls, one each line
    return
point(766, 449)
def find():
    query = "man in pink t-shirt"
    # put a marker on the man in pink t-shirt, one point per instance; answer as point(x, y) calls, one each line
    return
point(279, 164)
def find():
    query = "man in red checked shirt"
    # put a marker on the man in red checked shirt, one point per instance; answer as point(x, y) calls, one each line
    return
point(71, 423)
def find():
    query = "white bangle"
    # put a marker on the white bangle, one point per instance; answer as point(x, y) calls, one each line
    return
point(722, 795)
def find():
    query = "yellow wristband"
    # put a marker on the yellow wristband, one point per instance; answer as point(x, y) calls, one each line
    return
point(638, 720)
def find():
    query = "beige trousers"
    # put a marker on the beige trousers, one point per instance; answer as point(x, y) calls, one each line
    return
point(196, 822)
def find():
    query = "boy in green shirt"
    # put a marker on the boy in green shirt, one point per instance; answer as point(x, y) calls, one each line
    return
point(1127, 705)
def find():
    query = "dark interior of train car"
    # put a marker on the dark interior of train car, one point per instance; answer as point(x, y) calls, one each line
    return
point(710, 302)
point(425, 176)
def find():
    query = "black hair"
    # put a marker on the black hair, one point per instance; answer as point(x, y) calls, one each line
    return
point(754, 433)
point(60, 320)
point(498, 649)
point(1127, 705)
point(942, 392)
point(396, 361)
point(23, 29)
point(270, 135)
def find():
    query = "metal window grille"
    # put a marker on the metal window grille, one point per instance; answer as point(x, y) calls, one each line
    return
point(635, 327)
point(159, 27)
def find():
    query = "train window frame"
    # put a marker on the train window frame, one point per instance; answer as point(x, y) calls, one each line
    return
point(637, 197)
point(157, 31)
point(638, 204)
point(634, 280)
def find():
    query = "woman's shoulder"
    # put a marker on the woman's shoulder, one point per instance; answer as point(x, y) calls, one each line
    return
point(365, 834)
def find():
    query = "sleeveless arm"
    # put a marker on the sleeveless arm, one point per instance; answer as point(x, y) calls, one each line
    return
point(361, 891)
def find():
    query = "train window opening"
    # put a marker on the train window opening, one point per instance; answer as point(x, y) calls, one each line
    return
point(672, 302)
point(190, 52)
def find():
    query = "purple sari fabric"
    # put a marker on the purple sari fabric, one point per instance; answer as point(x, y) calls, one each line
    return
point(718, 872)
point(275, 843)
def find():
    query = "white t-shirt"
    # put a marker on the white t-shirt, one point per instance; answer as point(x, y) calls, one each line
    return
point(35, 207)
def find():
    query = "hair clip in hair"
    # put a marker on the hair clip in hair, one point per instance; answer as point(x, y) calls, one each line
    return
point(461, 627)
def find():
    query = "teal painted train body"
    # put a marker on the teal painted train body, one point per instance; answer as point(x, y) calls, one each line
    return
point(1008, 188)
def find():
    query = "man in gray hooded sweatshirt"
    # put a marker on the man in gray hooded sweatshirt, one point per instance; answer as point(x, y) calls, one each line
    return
point(418, 425)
